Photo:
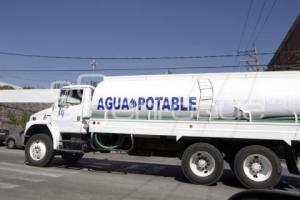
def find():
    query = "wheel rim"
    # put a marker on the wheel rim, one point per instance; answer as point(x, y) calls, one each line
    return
point(11, 143)
point(257, 167)
point(202, 163)
point(37, 150)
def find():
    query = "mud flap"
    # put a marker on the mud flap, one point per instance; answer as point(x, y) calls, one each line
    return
point(291, 155)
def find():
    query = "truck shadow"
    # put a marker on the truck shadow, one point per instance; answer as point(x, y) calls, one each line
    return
point(155, 169)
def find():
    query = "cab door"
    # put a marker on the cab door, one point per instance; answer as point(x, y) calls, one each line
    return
point(68, 113)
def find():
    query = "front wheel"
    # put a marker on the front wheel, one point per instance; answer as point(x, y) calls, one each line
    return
point(202, 163)
point(257, 167)
point(71, 157)
point(39, 150)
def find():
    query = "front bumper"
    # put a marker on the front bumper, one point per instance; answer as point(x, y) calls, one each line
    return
point(3, 138)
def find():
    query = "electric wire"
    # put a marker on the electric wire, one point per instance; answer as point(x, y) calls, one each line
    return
point(256, 24)
point(140, 68)
point(266, 20)
point(245, 24)
point(125, 58)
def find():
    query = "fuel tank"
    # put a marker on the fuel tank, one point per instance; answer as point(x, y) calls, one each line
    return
point(248, 95)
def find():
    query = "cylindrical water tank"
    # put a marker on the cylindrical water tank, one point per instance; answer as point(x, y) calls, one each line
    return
point(199, 96)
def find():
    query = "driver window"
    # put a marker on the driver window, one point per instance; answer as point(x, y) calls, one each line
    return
point(74, 97)
point(71, 97)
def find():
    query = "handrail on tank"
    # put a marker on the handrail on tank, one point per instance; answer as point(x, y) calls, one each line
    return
point(296, 117)
point(250, 116)
point(105, 114)
point(212, 100)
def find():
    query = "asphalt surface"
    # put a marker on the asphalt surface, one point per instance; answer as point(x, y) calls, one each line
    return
point(111, 176)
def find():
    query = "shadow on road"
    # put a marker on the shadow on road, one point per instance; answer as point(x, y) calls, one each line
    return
point(163, 170)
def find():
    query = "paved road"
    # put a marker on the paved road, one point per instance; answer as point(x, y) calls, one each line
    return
point(110, 176)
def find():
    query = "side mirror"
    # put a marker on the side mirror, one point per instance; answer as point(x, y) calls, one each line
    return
point(61, 104)
point(62, 101)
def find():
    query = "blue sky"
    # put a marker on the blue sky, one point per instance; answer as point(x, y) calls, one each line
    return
point(131, 28)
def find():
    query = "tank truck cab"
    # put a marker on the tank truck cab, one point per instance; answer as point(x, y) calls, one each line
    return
point(62, 129)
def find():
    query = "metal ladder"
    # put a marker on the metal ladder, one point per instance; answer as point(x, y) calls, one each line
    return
point(206, 99)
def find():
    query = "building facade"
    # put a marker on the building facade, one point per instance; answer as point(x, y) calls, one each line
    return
point(287, 56)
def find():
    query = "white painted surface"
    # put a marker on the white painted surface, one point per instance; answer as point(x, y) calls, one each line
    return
point(263, 94)
point(29, 96)
point(209, 129)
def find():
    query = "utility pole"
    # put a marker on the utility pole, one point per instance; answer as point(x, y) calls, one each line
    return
point(250, 59)
point(93, 63)
point(168, 71)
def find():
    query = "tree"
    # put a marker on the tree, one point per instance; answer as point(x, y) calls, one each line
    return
point(6, 87)
point(28, 87)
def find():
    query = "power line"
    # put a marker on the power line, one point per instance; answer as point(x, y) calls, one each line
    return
point(257, 22)
point(111, 69)
point(245, 24)
point(123, 58)
point(130, 58)
point(139, 68)
point(240, 54)
point(266, 19)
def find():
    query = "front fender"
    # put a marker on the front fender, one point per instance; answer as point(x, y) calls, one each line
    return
point(38, 126)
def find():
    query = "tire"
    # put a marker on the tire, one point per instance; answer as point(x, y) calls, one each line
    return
point(11, 143)
point(71, 157)
point(202, 163)
point(39, 150)
point(257, 167)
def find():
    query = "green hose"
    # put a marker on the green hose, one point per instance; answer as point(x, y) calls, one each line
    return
point(112, 143)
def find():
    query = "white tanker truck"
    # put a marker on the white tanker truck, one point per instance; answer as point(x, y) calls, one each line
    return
point(249, 120)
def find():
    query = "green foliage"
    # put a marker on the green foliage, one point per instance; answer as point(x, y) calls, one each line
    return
point(12, 118)
point(6, 87)
point(19, 120)
point(28, 87)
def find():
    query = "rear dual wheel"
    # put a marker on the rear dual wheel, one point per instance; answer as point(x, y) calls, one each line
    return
point(257, 167)
point(254, 166)
point(202, 163)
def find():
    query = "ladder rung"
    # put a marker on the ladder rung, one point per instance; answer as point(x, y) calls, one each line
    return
point(205, 99)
